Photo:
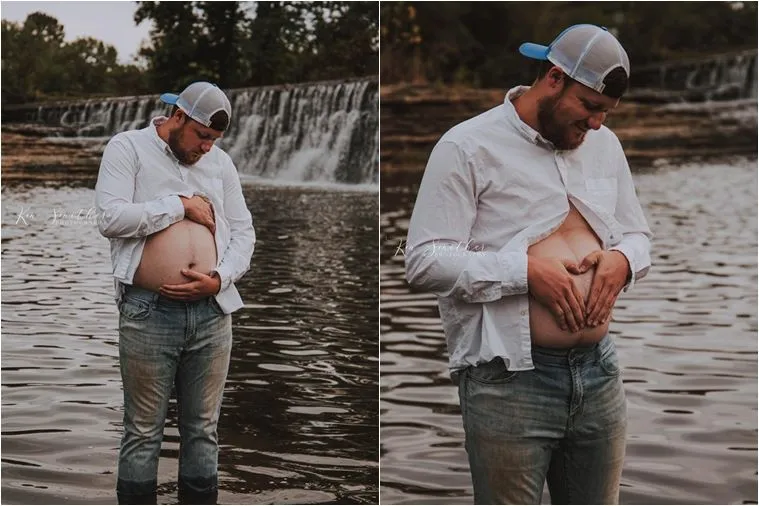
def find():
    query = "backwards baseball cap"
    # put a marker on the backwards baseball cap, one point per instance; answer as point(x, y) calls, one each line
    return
point(586, 53)
point(200, 101)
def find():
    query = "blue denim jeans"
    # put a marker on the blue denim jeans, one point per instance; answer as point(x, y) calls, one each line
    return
point(164, 343)
point(563, 422)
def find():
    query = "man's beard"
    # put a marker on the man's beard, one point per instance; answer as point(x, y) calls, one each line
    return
point(175, 143)
point(551, 129)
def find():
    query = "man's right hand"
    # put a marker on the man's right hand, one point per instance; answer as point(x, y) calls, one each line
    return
point(549, 281)
point(199, 210)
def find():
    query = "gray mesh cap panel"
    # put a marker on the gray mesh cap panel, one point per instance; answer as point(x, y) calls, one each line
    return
point(587, 53)
point(201, 100)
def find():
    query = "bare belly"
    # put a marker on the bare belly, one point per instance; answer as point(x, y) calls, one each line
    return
point(573, 241)
point(183, 245)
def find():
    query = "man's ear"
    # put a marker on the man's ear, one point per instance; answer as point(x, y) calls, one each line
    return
point(180, 116)
point(555, 76)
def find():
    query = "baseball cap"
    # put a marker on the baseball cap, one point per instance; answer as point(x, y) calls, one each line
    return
point(586, 53)
point(200, 101)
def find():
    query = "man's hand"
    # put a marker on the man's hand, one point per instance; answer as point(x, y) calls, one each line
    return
point(200, 287)
point(549, 281)
point(199, 210)
point(611, 273)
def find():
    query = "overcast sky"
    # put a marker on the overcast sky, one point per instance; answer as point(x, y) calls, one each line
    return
point(111, 22)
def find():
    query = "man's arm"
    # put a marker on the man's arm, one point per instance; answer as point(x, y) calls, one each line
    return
point(626, 261)
point(118, 215)
point(235, 260)
point(437, 256)
point(636, 237)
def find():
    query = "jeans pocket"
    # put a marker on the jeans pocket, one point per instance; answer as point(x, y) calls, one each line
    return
point(494, 372)
point(610, 364)
point(135, 309)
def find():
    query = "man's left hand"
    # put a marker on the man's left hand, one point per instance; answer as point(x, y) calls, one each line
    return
point(611, 273)
point(200, 287)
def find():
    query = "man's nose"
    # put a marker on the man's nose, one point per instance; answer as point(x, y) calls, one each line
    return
point(596, 120)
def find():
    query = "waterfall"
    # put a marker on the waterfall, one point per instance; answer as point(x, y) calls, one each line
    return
point(718, 77)
point(323, 131)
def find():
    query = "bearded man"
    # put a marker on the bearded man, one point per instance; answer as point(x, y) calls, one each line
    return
point(527, 227)
point(181, 235)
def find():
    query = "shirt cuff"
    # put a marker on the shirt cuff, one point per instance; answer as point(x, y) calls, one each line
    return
point(225, 278)
point(628, 255)
point(514, 268)
point(176, 207)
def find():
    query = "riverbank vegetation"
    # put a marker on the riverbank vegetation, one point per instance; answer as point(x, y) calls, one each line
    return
point(232, 44)
point(475, 43)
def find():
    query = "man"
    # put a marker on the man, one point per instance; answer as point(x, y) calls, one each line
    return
point(181, 235)
point(527, 227)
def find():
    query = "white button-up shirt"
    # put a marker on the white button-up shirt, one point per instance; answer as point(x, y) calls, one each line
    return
point(137, 194)
point(493, 186)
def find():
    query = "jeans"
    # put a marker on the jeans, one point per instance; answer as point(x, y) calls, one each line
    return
point(165, 343)
point(563, 422)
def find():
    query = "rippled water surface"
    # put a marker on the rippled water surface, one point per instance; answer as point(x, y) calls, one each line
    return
point(686, 336)
point(299, 418)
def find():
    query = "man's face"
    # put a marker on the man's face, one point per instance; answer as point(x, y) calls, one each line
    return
point(191, 140)
point(566, 116)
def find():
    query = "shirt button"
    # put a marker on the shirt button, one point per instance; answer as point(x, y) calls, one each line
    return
point(523, 313)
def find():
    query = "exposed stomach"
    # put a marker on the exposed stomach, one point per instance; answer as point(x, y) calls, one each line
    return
point(574, 240)
point(183, 245)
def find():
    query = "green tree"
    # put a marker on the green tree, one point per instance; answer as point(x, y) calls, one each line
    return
point(91, 65)
point(278, 42)
point(171, 56)
point(344, 39)
point(275, 37)
point(31, 57)
point(220, 47)
point(476, 43)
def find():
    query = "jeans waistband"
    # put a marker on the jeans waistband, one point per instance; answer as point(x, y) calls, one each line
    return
point(156, 298)
point(564, 355)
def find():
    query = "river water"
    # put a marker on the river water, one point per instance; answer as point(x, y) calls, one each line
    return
point(686, 337)
point(299, 417)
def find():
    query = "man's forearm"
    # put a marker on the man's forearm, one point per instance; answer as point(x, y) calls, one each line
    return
point(447, 269)
point(129, 220)
point(235, 261)
point(636, 248)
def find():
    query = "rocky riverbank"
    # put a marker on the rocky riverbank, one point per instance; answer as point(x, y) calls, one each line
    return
point(27, 154)
point(414, 117)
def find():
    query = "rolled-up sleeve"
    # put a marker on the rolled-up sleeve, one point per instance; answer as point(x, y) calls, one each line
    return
point(438, 255)
point(636, 234)
point(236, 258)
point(118, 215)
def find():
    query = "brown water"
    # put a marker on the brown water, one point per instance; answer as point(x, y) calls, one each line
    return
point(687, 342)
point(299, 417)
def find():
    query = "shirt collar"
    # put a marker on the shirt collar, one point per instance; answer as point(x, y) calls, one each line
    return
point(520, 126)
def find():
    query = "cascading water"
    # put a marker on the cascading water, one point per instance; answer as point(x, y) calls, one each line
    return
point(718, 77)
point(306, 133)
point(324, 131)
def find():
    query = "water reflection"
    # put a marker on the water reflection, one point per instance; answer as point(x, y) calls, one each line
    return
point(299, 420)
point(686, 338)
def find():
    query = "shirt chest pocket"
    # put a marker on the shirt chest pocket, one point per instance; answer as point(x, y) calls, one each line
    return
point(603, 191)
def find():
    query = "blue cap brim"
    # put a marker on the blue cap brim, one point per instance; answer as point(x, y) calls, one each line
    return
point(534, 51)
point(170, 98)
